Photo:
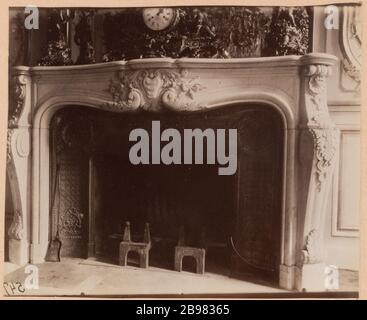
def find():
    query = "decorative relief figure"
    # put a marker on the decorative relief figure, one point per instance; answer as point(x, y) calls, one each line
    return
point(18, 95)
point(15, 231)
point(152, 90)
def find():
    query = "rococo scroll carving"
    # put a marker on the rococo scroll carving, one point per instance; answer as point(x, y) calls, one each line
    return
point(310, 253)
point(351, 44)
point(153, 90)
point(15, 231)
point(320, 124)
point(18, 95)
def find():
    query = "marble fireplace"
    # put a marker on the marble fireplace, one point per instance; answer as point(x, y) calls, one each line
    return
point(77, 118)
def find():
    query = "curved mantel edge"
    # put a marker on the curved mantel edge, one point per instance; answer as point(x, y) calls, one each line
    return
point(119, 86)
point(187, 63)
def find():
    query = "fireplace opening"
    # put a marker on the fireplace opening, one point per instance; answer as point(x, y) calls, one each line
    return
point(236, 218)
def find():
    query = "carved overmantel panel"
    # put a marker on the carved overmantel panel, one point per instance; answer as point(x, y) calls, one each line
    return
point(294, 85)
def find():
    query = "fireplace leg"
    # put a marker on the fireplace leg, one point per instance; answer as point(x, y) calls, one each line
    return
point(287, 277)
point(18, 252)
point(38, 252)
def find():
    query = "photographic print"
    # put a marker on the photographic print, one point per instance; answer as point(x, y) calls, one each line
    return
point(183, 151)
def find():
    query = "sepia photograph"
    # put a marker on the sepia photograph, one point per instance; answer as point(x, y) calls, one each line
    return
point(183, 151)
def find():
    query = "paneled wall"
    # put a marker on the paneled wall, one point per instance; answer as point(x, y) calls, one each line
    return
point(342, 225)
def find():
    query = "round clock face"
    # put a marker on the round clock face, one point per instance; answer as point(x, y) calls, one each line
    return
point(158, 18)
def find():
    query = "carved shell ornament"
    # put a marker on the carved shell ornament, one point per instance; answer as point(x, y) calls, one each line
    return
point(154, 90)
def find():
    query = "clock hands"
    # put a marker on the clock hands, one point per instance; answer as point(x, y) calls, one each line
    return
point(158, 18)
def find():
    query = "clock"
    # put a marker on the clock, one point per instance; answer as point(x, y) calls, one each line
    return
point(158, 19)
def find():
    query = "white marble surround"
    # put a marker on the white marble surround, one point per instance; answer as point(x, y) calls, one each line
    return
point(295, 86)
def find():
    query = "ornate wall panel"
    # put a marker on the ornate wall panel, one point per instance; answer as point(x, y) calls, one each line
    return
point(346, 193)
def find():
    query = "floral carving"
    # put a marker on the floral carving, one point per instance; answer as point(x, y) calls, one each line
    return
point(317, 86)
point(18, 95)
point(16, 228)
point(325, 141)
point(321, 127)
point(154, 89)
point(71, 222)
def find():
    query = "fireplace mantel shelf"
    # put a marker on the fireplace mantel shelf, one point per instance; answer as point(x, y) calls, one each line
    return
point(295, 86)
point(263, 62)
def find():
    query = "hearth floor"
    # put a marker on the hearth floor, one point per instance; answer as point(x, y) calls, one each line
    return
point(88, 277)
point(78, 276)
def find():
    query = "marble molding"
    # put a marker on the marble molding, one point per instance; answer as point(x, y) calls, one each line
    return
point(295, 86)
